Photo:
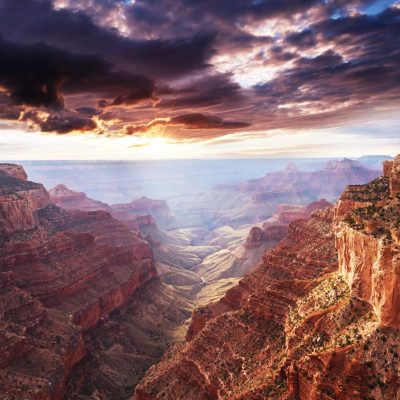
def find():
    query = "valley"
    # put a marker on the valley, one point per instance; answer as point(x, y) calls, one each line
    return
point(154, 274)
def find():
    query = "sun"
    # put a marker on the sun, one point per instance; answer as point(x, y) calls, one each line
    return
point(158, 144)
point(154, 148)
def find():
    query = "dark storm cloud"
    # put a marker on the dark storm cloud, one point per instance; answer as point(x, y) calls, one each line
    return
point(115, 62)
point(210, 90)
point(277, 55)
point(33, 74)
point(41, 76)
point(303, 39)
point(87, 111)
point(201, 121)
point(226, 9)
point(38, 21)
point(37, 75)
point(182, 16)
point(61, 122)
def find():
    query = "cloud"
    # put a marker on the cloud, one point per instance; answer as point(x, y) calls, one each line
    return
point(37, 75)
point(61, 122)
point(177, 66)
point(75, 31)
point(303, 39)
point(364, 73)
point(209, 90)
point(188, 121)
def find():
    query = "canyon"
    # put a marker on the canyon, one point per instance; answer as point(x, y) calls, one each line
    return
point(317, 319)
point(255, 200)
point(93, 294)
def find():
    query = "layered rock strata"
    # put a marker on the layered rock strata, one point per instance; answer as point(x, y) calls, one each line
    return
point(61, 273)
point(368, 242)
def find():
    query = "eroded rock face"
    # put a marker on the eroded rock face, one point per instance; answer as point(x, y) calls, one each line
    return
point(14, 170)
point(289, 213)
point(19, 201)
point(391, 170)
point(276, 228)
point(61, 272)
point(367, 238)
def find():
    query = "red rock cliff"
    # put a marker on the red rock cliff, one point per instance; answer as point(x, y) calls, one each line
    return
point(19, 201)
point(367, 238)
point(61, 272)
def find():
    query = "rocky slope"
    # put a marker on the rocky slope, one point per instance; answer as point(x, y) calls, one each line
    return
point(62, 272)
point(317, 319)
point(124, 344)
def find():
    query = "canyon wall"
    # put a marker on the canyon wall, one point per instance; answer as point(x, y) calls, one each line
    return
point(367, 227)
point(61, 273)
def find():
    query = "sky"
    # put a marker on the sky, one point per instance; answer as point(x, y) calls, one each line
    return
point(155, 79)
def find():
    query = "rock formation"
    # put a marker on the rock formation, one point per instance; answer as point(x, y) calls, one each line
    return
point(140, 212)
point(14, 170)
point(19, 200)
point(61, 272)
point(287, 213)
point(71, 200)
point(368, 242)
point(157, 208)
point(255, 200)
point(317, 319)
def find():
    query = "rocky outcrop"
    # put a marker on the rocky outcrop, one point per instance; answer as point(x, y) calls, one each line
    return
point(71, 200)
point(367, 238)
point(276, 228)
point(142, 221)
point(257, 236)
point(14, 170)
point(287, 213)
point(391, 170)
point(234, 342)
point(61, 273)
point(19, 201)
point(143, 206)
